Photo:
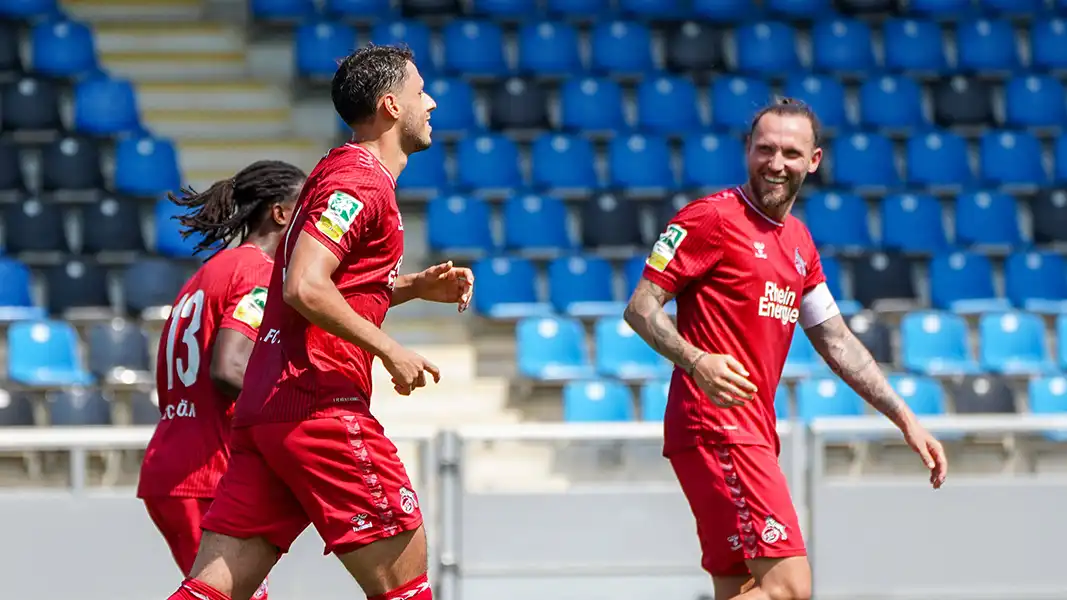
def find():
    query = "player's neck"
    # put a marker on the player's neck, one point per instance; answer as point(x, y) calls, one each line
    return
point(386, 149)
point(268, 243)
point(778, 213)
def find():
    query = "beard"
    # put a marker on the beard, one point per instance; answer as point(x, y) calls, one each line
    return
point(773, 197)
point(415, 136)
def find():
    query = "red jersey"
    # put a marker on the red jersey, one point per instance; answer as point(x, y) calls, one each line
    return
point(188, 452)
point(739, 277)
point(301, 372)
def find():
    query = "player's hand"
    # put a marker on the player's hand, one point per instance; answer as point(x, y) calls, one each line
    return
point(931, 452)
point(448, 284)
point(409, 370)
point(724, 380)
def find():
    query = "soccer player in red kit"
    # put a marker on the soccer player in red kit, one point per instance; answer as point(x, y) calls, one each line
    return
point(205, 345)
point(305, 447)
point(745, 273)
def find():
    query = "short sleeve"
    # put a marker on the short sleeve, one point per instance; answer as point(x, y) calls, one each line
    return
point(687, 249)
point(336, 217)
point(815, 275)
point(247, 299)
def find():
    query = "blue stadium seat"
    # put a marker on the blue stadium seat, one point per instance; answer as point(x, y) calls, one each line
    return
point(766, 47)
point(425, 171)
point(563, 163)
point(891, 102)
point(1061, 341)
point(16, 300)
point(474, 48)
point(25, 9)
point(622, 354)
point(824, 94)
point(1059, 159)
point(504, 8)
point(864, 160)
point(1013, 343)
point(78, 407)
point(1023, 8)
point(489, 161)
point(106, 106)
point(841, 45)
point(924, 395)
point(320, 45)
point(985, 45)
point(1011, 158)
point(1048, 396)
point(582, 286)
point(652, 9)
point(458, 225)
point(578, 8)
point(1036, 281)
point(938, 158)
point(146, 166)
point(939, 8)
point(361, 9)
point(987, 218)
point(597, 401)
point(713, 161)
point(783, 403)
point(802, 359)
point(117, 344)
point(667, 104)
point(837, 220)
point(724, 11)
point(621, 47)
point(963, 282)
point(654, 400)
point(415, 34)
point(550, 348)
point(1034, 101)
point(455, 106)
point(536, 224)
point(640, 161)
point(112, 225)
point(822, 397)
point(799, 8)
point(913, 45)
point(591, 104)
point(913, 223)
point(549, 48)
point(507, 289)
point(169, 240)
point(150, 283)
point(831, 268)
point(63, 48)
point(271, 10)
point(44, 352)
point(935, 343)
point(1048, 44)
point(735, 100)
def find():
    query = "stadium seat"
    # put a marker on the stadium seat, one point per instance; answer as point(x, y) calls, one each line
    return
point(735, 100)
point(518, 104)
point(1048, 396)
point(504, 8)
point(488, 162)
point(938, 158)
point(16, 410)
point(882, 277)
point(550, 349)
point(864, 160)
point(935, 343)
point(841, 45)
point(610, 222)
point(837, 221)
point(455, 106)
point(666, 208)
point(582, 286)
point(939, 8)
point(271, 10)
point(415, 34)
point(591, 105)
point(960, 101)
point(12, 183)
point(622, 354)
point(783, 403)
point(982, 394)
point(1013, 343)
point(715, 161)
point(821, 397)
point(536, 225)
point(549, 48)
point(667, 105)
point(963, 282)
point(912, 223)
point(913, 45)
point(78, 289)
point(621, 47)
point(1049, 209)
point(874, 335)
point(766, 47)
point(459, 226)
point(146, 166)
point(1023, 8)
point(1036, 281)
point(1011, 158)
point(168, 236)
point(78, 406)
point(824, 94)
point(105, 107)
point(1061, 341)
point(632, 272)
point(150, 283)
point(891, 102)
point(652, 9)
point(987, 218)
point(831, 268)
point(694, 47)
point(71, 164)
point(430, 8)
point(117, 345)
point(1034, 101)
point(507, 289)
point(654, 400)
point(474, 48)
point(802, 360)
point(578, 9)
point(16, 299)
point(564, 164)
point(923, 395)
point(1059, 159)
point(44, 353)
point(320, 45)
point(597, 401)
point(724, 11)
point(144, 408)
point(361, 9)
point(1048, 44)
point(30, 104)
point(62, 48)
point(985, 45)
point(34, 226)
point(425, 174)
point(799, 9)
point(640, 161)
point(11, 63)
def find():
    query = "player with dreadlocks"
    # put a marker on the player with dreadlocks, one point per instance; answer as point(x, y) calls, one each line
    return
point(213, 324)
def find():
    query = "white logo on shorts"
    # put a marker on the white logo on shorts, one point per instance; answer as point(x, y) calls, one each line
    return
point(773, 531)
point(408, 501)
point(735, 542)
point(361, 522)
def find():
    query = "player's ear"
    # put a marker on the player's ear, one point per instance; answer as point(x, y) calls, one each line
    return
point(391, 105)
point(816, 160)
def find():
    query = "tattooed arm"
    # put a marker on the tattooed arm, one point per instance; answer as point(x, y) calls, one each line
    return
point(646, 317)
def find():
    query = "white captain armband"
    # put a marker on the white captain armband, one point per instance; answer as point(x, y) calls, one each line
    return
point(817, 306)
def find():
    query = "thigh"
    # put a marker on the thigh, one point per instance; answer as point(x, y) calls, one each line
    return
point(178, 519)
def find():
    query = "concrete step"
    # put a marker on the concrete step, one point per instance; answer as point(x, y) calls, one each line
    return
point(456, 361)
point(176, 66)
point(167, 37)
point(127, 11)
point(211, 160)
point(456, 408)
point(232, 96)
point(200, 124)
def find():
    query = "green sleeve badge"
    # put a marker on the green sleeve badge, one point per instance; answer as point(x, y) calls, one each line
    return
point(341, 211)
point(250, 309)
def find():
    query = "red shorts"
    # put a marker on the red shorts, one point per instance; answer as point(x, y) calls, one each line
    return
point(178, 519)
point(339, 473)
point(741, 502)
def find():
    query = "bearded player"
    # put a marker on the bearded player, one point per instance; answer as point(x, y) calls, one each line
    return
point(306, 448)
point(205, 345)
point(744, 273)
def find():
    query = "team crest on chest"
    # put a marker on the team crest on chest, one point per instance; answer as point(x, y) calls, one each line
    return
point(798, 262)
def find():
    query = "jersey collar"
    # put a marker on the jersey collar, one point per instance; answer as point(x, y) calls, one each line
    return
point(392, 179)
point(741, 192)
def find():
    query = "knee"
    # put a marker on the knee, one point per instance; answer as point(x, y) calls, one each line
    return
point(790, 589)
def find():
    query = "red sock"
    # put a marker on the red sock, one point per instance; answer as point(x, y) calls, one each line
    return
point(191, 589)
point(416, 589)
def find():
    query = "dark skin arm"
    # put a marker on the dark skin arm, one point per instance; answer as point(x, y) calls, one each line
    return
point(229, 361)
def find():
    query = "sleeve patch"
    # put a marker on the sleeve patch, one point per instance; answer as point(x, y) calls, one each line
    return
point(340, 213)
point(666, 246)
point(250, 309)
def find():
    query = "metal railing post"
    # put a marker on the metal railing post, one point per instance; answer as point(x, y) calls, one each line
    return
point(449, 469)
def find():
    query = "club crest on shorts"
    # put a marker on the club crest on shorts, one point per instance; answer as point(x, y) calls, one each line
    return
point(773, 531)
point(798, 262)
point(408, 501)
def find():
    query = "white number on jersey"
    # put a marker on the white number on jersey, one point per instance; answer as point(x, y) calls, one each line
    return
point(189, 311)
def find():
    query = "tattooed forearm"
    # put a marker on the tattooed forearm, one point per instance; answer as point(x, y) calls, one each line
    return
point(853, 363)
point(646, 317)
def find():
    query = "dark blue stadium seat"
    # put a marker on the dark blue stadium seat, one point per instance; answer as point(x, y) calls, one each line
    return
point(963, 282)
point(146, 166)
point(913, 223)
point(44, 353)
point(518, 104)
point(489, 161)
point(622, 354)
point(474, 48)
point(1036, 281)
point(881, 277)
point(34, 226)
point(425, 173)
point(106, 106)
point(841, 45)
point(169, 240)
point(802, 359)
point(590, 104)
point(640, 161)
point(16, 299)
point(873, 334)
point(924, 396)
point(430, 8)
point(891, 102)
point(10, 52)
point(117, 344)
point(938, 159)
point(78, 406)
point(935, 343)
point(724, 11)
point(694, 47)
point(864, 160)
point(735, 100)
point(578, 8)
point(1013, 343)
point(623, 47)
point(1011, 158)
point(30, 104)
point(985, 45)
point(821, 397)
point(667, 104)
point(504, 8)
point(581, 286)
point(1059, 159)
point(837, 220)
point(16, 410)
point(666, 208)
point(77, 285)
point(1049, 208)
point(766, 47)
point(507, 288)
point(11, 180)
point(831, 268)
point(913, 45)
point(563, 163)
point(455, 106)
point(549, 48)
point(939, 8)
point(987, 218)
point(710, 160)
point(150, 283)
point(982, 394)
point(654, 400)
point(960, 101)
point(144, 408)
point(824, 94)
point(1013, 7)
point(552, 348)
point(459, 225)
point(1048, 44)
point(632, 271)
point(415, 34)
point(63, 48)
point(652, 9)
point(1034, 101)
point(282, 9)
point(71, 163)
point(361, 9)
point(807, 9)
point(597, 401)
point(536, 224)
point(610, 222)
point(320, 45)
